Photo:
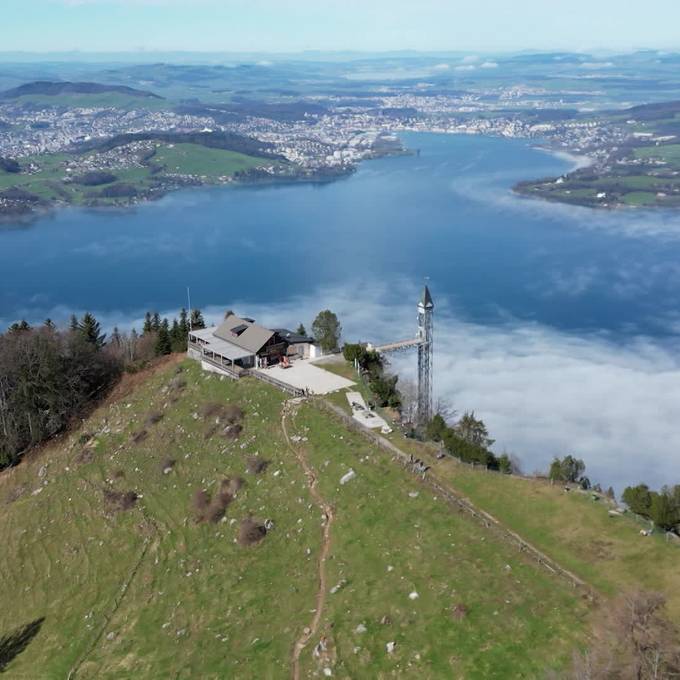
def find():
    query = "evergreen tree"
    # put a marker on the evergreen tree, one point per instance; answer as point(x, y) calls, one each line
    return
point(73, 323)
point(301, 330)
point(90, 328)
point(147, 328)
point(156, 321)
point(183, 322)
point(473, 430)
point(177, 338)
point(115, 337)
point(163, 342)
point(197, 321)
point(48, 323)
point(19, 326)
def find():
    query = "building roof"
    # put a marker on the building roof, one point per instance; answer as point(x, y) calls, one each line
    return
point(253, 338)
point(226, 349)
point(294, 338)
point(426, 299)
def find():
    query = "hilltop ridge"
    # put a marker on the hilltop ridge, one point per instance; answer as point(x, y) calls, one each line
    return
point(54, 88)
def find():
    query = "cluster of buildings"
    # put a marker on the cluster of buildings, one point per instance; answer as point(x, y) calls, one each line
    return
point(337, 139)
point(35, 129)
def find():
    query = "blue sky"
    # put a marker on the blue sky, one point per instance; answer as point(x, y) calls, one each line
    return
point(294, 25)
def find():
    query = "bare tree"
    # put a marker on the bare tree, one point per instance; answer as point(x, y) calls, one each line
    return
point(632, 639)
point(444, 408)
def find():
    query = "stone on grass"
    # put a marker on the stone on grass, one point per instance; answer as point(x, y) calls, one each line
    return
point(348, 477)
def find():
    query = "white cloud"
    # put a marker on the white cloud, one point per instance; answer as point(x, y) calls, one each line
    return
point(595, 65)
point(466, 67)
point(470, 59)
point(489, 64)
point(441, 67)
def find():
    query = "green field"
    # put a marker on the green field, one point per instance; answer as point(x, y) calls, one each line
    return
point(665, 152)
point(149, 592)
point(192, 159)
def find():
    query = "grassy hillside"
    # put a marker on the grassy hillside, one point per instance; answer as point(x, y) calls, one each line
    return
point(571, 527)
point(147, 588)
point(52, 182)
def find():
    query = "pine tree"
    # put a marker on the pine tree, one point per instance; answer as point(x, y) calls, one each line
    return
point(163, 343)
point(73, 323)
point(177, 338)
point(115, 336)
point(147, 328)
point(183, 322)
point(301, 330)
point(19, 326)
point(91, 330)
point(197, 321)
point(156, 321)
point(48, 323)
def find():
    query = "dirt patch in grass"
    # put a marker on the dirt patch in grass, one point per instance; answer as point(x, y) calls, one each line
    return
point(256, 465)
point(85, 456)
point(120, 501)
point(227, 419)
point(139, 436)
point(250, 532)
point(16, 493)
point(153, 418)
point(212, 509)
point(460, 611)
point(200, 504)
point(232, 432)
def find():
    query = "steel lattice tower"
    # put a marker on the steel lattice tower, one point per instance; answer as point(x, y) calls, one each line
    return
point(425, 354)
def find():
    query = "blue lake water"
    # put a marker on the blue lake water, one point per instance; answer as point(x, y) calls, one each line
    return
point(515, 281)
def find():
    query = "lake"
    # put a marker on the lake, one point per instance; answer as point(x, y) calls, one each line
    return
point(557, 325)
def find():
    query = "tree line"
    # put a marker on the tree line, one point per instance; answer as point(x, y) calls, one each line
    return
point(49, 376)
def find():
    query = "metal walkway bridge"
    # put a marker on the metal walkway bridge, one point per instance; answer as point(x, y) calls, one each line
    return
point(397, 346)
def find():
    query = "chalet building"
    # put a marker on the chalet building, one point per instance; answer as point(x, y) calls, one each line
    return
point(239, 344)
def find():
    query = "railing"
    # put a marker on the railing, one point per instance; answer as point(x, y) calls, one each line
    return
point(232, 371)
point(290, 389)
point(398, 346)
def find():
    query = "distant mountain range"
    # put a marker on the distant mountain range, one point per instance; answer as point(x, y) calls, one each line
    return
point(52, 88)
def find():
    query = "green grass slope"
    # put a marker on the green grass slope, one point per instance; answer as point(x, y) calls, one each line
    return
point(150, 592)
point(570, 527)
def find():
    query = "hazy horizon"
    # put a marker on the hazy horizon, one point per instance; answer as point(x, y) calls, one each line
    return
point(266, 26)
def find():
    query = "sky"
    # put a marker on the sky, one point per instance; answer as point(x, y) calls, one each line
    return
point(356, 25)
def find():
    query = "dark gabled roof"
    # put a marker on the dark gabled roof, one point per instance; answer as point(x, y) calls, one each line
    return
point(426, 299)
point(293, 338)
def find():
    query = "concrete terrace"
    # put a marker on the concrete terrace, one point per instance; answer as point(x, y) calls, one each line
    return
point(304, 375)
